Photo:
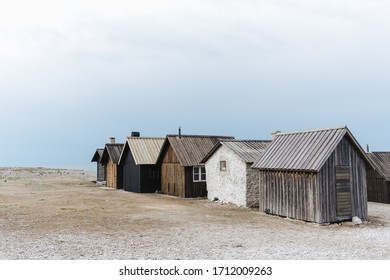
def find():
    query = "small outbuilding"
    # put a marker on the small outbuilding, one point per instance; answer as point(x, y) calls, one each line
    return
point(138, 164)
point(110, 160)
point(182, 173)
point(100, 175)
point(230, 177)
point(316, 175)
point(378, 178)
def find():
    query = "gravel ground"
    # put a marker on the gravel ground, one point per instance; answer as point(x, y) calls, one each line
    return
point(61, 215)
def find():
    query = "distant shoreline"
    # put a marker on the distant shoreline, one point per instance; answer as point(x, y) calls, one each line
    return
point(80, 167)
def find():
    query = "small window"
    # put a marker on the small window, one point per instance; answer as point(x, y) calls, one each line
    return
point(199, 174)
point(222, 165)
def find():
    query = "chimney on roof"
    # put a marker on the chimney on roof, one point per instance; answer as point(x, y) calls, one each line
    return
point(367, 148)
point(274, 133)
point(111, 140)
point(135, 134)
point(179, 132)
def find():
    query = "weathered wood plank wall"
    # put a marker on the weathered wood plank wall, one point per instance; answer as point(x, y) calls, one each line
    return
point(312, 196)
point(378, 189)
point(111, 174)
point(172, 175)
point(193, 189)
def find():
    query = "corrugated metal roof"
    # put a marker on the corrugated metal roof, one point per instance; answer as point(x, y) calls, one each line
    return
point(191, 149)
point(303, 151)
point(145, 150)
point(113, 151)
point(248, 150)
point(97, 155)
point(381, 163)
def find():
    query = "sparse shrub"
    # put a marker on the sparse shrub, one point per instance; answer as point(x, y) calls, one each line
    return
point(267, 211)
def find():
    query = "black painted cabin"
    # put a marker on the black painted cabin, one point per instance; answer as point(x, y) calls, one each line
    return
point(139, 178)
point(138, 164)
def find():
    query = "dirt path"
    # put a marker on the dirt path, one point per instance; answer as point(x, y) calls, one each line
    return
point(61, 214)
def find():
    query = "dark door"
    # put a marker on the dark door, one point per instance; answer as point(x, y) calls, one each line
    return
point(343, 192)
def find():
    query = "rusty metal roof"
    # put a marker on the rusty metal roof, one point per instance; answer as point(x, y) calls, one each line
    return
point(381, 163)
point(145, 150)
point(112, 151)
point(248, 150)
point(304, 150)
point(191, 149)
point(97, 155)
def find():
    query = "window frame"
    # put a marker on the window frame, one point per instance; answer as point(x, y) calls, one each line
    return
point(222, 165)
point(197, 171)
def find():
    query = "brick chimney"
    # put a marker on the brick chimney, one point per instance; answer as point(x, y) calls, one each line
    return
point(111, 140)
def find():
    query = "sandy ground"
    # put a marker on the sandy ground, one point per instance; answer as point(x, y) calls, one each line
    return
point(61, 214)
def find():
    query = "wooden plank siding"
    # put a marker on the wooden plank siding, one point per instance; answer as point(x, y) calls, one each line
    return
point(378, 178)
point(378, 189)
point(143, 178)
point(100, 172)
point(112, 175)
point(172, 174)
point(131, 173)
point(338, 191)
point(194, 189)
point(288, 194)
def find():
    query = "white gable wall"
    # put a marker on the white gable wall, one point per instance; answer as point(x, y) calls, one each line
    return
point(229, 185)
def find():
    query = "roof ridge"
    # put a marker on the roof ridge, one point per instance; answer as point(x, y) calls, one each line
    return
point(199, 136)
point(142, 137)
point(244, 140)
point(311, 130)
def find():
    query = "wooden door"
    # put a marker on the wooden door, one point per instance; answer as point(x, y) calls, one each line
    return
point(343, 192)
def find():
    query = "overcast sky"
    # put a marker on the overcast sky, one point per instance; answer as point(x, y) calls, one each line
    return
point(75, 72)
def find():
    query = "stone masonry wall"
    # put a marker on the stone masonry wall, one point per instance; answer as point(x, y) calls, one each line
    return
point(229, 185)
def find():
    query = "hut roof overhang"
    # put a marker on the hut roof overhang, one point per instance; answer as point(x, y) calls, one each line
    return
point(190, 149)
point(381, 163)
point(305, 151)
point(247, 150)
point(145, 150)
point(112, 151)
point(97, 155)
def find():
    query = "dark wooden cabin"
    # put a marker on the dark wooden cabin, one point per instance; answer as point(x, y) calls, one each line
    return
point(100, 174)
point(317, 176)
point(378, 178)
point(138, 164)
point(110, 160)
point(182, 173)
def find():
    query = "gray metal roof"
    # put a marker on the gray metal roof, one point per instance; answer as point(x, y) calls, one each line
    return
point(97, 155)
point(145, 150)
point(112, 151)
point(191, 149)
point(303, 151)
point(381, 163)
point(247, 150)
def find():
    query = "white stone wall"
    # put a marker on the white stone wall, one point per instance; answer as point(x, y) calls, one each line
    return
point(229, 185)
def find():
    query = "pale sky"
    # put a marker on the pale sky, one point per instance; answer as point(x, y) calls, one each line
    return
point(73, 73)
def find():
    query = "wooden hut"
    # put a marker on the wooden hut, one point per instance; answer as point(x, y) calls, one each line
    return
point(110, 160)
point(230, 177)
point(378, 178)
point(100, 177)
point(138, 164)
point(182, 173)
point(317, 176)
